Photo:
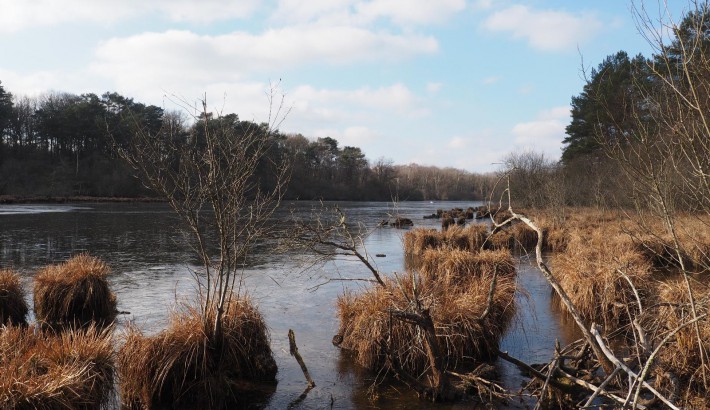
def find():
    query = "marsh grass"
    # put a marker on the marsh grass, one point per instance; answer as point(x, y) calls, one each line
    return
point(74, 293)
point(589, 272)
point(184, 366)
point(456, 295)
point(681, 356)
point(13, 307)
point(47, 370)
point(418, 241)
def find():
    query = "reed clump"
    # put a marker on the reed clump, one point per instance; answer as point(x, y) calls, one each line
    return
point(591, 271)
point(13, 307)
point(188, 366)
point(46, 370)
point(656, 242)
point(457, 297)
point(418, 241)
point(74, 293)
point(471, 238)
point(682, 356)
point(457, 267)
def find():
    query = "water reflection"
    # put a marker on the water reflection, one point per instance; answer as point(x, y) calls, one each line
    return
point(154, 268)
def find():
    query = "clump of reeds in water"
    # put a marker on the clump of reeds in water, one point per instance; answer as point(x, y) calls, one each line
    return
point(187, 366)
point(74, 293)
point(47, 370)
point(418, 241)
point(595, 270)
point(456, 291)
point(13, 307)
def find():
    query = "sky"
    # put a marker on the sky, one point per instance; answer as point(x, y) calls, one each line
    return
point(450, 83)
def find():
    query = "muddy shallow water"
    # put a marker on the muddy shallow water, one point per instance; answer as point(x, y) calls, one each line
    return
point(153, 267)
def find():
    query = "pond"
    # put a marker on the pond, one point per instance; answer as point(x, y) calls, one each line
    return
point(153, 270)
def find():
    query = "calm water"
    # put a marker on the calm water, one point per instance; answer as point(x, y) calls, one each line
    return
point(152, 269)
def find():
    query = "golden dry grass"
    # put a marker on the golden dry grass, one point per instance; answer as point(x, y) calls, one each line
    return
point(47, 370)
point(418, 241)
point(456, 296)
point(470, 238)
point(657, 243)
point(74, 293)
point(13, 307)
point(456, 267)
point(682, 355)
point(588, 271)
point(185, 366)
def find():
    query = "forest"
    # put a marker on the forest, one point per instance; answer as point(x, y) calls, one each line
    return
point(64, 145)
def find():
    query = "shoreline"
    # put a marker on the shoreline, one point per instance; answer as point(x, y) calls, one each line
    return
point(49, 199)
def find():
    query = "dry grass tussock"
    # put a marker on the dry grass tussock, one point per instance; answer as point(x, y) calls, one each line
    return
point(681, 356)
point(47, 370)
point(418, 241)
point(185, 366)
point(470, 237)
point(13, 307)
point(74, 293)
point(589, 271)
point(656, 242)
point(457, 299)
point(457, 267)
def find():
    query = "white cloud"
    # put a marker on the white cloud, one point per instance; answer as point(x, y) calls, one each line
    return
point(357, 136)
point(18, 15)
point(355, 12)
point(29, 84)
point(396, 98)
point(546, 30)
point(173, 58)
point(544, 134)
point(410, 11)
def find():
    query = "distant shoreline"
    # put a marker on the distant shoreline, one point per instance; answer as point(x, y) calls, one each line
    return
point(49, 199)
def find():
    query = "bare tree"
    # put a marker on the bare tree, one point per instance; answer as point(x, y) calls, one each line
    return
point(208, 176)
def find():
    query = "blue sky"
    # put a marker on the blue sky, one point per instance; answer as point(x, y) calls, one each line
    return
point(457, 83)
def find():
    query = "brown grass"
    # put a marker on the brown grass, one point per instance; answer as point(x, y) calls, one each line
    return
point(471, 237)
point(682, 355)
point(419, 241)
point(457, 267)
point(13, 307)
point(588, 272)
point(47, 370)
point(185, 367)
point(74, 293)
point(457, 296)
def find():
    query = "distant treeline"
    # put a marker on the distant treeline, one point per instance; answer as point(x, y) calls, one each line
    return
point(61, 144)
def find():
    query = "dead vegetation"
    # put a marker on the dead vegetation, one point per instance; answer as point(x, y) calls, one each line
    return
point(74, 293)
point(13, 307)
point(186, 366)
point(469, 298)
point(601, 269)
point(47, 370)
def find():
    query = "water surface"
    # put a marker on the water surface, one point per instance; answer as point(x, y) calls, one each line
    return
point(153, 267)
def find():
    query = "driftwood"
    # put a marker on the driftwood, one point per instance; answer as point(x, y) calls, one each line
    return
point(293, 350)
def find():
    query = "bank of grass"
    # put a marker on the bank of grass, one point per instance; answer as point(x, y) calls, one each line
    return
point(418, 241)
point(454, 286)
point(681, 357)
point(13, 307)
point(186, 366)
point(597, 270)
point(74, 293)
point(47, 370)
